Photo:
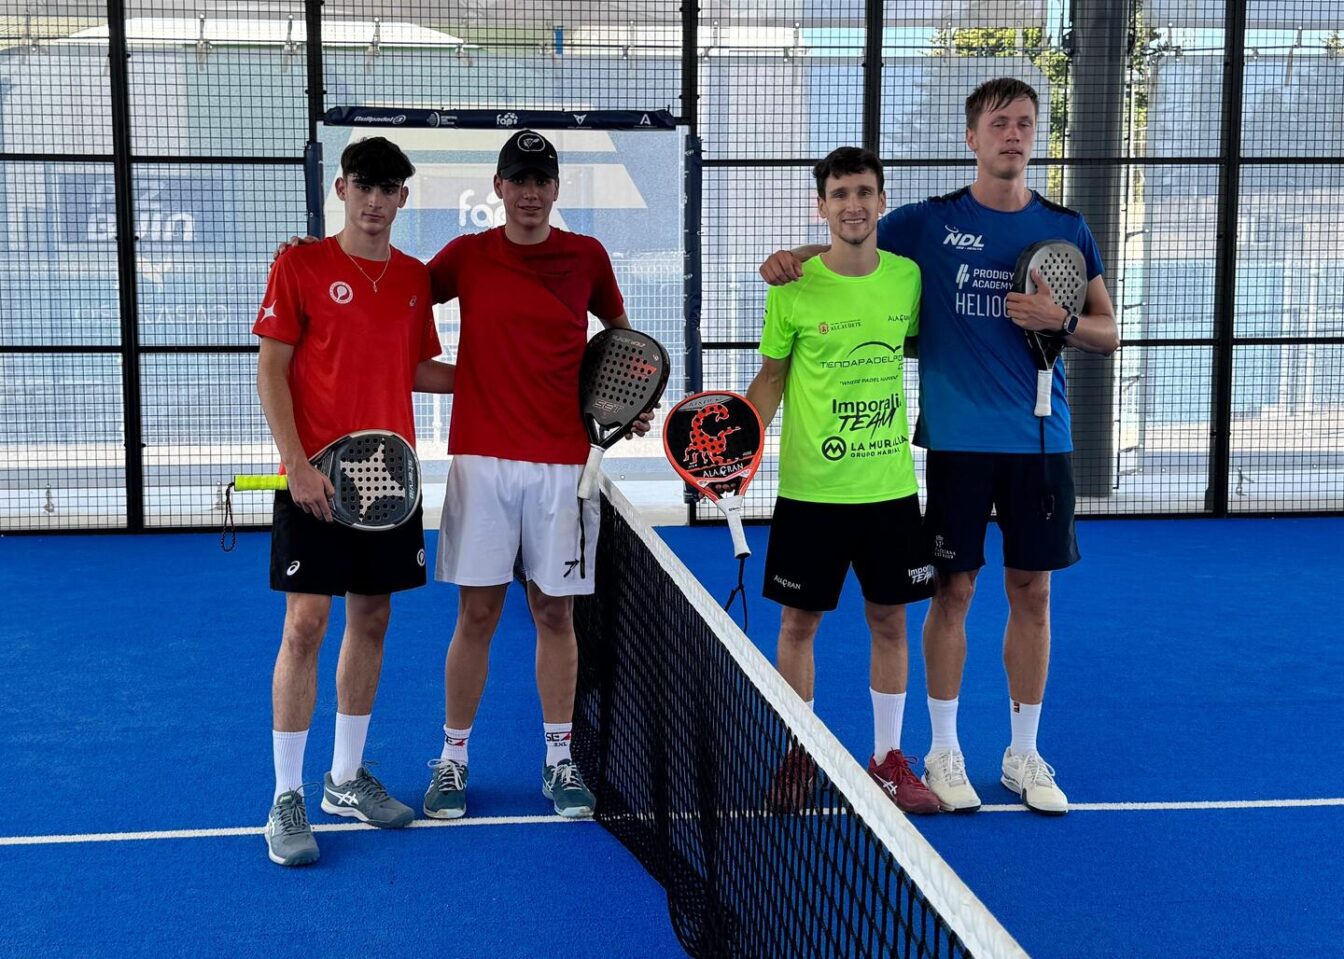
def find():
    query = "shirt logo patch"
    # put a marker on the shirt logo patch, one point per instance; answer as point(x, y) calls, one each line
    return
point(963, 241)
point(341, 293)
point(414, 300)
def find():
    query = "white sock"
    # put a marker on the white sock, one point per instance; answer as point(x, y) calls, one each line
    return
point(455, 744)
point(810, 703)
point(1026, 718)
point(287, 751)
point(888, 713)
point(558, 736)
point(943, 719)
point(348, 754)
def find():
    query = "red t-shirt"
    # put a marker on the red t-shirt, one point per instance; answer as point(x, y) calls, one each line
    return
point(355, 351)
point(524, 327)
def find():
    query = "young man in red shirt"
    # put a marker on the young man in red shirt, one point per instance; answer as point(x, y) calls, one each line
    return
point(518, 446)
point(346, 334)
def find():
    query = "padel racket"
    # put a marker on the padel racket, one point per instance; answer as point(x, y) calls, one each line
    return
point(375, 474)
point(715, 441)
point(1062, 266)
point(622, 377)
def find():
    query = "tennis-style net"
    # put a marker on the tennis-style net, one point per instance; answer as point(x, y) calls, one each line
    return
point(699, 752)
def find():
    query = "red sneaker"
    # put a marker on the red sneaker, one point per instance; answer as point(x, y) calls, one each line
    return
point(793, 782)
point(903, 786)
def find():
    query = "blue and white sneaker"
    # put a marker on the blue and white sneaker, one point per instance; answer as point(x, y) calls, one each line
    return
point(563, 785)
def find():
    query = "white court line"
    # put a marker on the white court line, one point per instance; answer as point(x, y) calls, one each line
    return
point(1162, 806)
point(258, 830)
point(550, 820)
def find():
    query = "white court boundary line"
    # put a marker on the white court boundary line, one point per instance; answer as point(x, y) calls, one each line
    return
point(1165, 806)
point(225, 832)
point(259, 830)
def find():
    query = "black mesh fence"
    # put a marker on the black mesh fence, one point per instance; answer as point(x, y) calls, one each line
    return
point(152, 154)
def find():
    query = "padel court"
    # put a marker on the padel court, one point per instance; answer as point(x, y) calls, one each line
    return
point(154, 152)
point(1192, 714)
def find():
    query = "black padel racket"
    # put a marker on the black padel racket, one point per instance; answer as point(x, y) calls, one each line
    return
point(622, 377)
point(714, 442)
point(1062, 266)
point(375, 474)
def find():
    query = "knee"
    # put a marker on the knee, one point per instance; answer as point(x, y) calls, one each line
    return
point(477, 619)
point(552, 614)
point(304, 632)
point(370, 624)
point(798, 627)
point(1030, 596)
point(954, 595)
point(885, 619)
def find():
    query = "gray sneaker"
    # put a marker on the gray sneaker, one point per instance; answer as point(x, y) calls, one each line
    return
point(563, 785)
point(446, 797)
point(289, 838)
point(365, 799)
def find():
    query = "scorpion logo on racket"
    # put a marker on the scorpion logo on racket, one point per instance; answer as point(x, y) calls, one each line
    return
point(705, 449)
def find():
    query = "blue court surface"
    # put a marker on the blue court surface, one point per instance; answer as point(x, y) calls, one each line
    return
point(1194, 713)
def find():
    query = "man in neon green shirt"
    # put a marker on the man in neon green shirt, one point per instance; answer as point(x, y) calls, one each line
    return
point(834, 352)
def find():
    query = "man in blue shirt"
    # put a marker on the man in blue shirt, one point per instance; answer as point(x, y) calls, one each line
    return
point(987, 449)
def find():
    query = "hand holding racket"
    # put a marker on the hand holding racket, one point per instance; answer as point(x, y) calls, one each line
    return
point(1057, 269)
point(621, 379)
point(714, 442)
point(374, 476)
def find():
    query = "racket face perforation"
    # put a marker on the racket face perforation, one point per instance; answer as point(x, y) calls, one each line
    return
point(623, 375)
point(714, 441)
point(1063, 268)
point(376, 478)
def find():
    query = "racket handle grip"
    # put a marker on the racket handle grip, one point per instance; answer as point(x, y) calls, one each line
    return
point(588, 478)
point(274, 481)
point(1045, 382)
point(732, 512)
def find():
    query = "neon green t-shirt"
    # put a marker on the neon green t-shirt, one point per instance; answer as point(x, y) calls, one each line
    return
point(845, 436)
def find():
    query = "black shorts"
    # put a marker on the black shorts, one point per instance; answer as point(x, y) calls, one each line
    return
point(309, 555)
point(812, 546)
point(1031, 496)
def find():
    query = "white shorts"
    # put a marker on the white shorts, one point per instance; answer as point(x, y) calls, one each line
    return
point(496, 510)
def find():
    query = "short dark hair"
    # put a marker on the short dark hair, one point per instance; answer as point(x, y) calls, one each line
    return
point(995, 95)
point(844, 161)
point(376, 161)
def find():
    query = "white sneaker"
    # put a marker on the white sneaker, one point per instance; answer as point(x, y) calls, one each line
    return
point(1032, 778)
point(945, 774)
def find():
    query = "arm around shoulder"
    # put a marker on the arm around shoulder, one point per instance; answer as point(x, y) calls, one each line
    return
point(435, 376)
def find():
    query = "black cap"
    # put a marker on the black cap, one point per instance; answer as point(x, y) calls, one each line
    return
point(528, 151)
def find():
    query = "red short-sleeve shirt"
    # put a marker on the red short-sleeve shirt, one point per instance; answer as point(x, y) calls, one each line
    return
point(355, 350)
point(524, 327)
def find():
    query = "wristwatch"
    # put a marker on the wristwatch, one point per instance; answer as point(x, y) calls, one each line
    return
point(1070, 324)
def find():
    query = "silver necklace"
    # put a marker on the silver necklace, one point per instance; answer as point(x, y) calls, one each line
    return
point(372, 281)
